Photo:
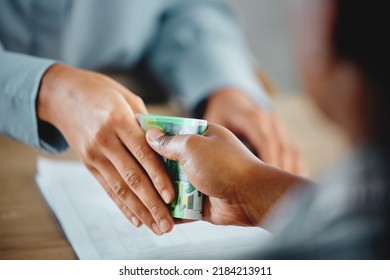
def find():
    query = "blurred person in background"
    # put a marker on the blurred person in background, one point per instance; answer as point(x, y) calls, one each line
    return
point(50, 98)
point(343, 59)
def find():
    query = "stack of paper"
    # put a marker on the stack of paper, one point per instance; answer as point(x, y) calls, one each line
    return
point(97, 229)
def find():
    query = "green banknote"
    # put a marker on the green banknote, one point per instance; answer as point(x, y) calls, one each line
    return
point(188, 203)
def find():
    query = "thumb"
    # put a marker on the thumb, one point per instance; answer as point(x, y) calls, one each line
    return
point(169, 147)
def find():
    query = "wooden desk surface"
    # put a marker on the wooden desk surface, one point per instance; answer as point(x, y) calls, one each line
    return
point(28, 228)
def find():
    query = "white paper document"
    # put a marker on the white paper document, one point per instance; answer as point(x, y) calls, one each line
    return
point(97, 229)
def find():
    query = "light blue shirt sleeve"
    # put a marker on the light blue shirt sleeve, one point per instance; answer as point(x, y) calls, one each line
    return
point(20, 77)
point(200, 49)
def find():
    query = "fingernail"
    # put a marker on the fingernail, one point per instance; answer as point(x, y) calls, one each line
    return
point(134, 221)
point(164, 225)
point(166, 195)
point(156, 229)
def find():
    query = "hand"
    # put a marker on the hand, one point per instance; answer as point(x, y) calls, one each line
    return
point(261, 129)
point(96, 115)
point(240, 188)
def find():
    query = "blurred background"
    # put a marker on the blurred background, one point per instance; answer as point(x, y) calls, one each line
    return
point(266, 25)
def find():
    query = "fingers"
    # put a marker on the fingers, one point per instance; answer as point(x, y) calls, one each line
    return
point(123, 208)
point(271, 141)
point(136, 103)
point(127, 184)
point(134, 141)
point(171, 147)
point(130, 137)
point(133, 181)
point(136, 197)
point(291, 161)
point(257, 129)
point(176, 147)
point(135, 173)
point(179, 221)
point(100, 125)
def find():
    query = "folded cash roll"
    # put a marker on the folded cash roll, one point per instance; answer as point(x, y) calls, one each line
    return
point(188, 203)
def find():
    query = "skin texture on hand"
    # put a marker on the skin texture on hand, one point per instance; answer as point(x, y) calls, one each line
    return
point(240, 188)
point(96, 115)
point(261, 129)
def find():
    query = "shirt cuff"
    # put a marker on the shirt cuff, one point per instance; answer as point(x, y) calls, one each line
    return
point(20, 78)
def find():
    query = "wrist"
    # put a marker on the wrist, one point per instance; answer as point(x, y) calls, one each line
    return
point(47, 92)
point(265, 186)
point(56, 84)
point(203, 108)
point(225, 105)
point(220, 96)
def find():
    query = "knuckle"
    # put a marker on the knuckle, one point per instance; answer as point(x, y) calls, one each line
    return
point(294, 152)
point(190, 143)
point(190, 146)
point(124, 208)
point(108, 117)
point(116, 118)
point(268, 129)
point(88, 165)
point(89, 155)
point(143, 215)
point(164, 142)
point(253, 112)
point(126, 211)
point(101, 77)
point(141, 152)
point(265, 139)
point(154, 209)
point(120, 190)
point(283, 151)
point(286, 148)
point(267, 132)
point(157, 180)
point(99, 135)
point(133, 180)
point(100, 138)
point(138, 100)
point(111, 194)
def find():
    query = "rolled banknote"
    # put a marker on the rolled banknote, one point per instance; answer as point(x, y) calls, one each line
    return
point(188, 203)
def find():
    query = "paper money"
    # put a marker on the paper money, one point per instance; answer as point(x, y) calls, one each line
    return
point(188, 203)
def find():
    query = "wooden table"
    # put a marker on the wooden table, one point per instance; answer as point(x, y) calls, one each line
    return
point(28, 228)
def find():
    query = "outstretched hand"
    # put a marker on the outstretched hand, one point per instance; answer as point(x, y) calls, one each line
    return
point(96, 115)
point(261, 129)
point(240, 188)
